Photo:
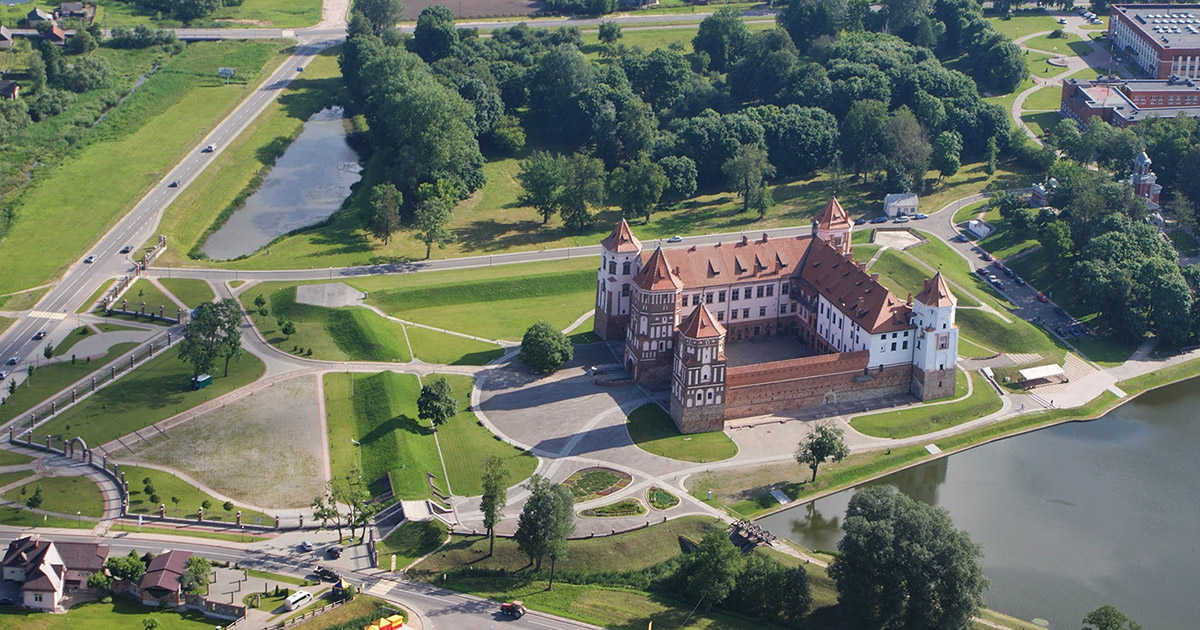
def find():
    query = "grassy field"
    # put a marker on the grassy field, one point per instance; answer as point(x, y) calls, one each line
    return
point(151, 130)
point(188, 220)
point(1047, 98)
point(190, 291)
point(52, 379)
point(651, 428)
point(333, 334)
point(1068, 45)
point(248, 14)
point(500, 308)
point(1018, 335)
point(969, 211)
point(121, 614)
point(1007, 240)
point(1041, 123)
point(155, 391)
point(899, 273)
point(439, 348)
point(925, 419)
point(651, 38)
point(65, 495)
point(191, 498)
point(379, 411)
point(194, 533)
point(1022, 25)
point(9, 458)
point(13, 477)
point(19, 517)
point(23, 300)
point(1039, 64)
point(938, 255)
point(361, 607)
point(466, 445)
point(143, 291)
point(1006, 100)
point(411, 541)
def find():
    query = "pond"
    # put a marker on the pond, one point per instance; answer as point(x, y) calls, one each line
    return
point(308, 183)
point(1070, 517)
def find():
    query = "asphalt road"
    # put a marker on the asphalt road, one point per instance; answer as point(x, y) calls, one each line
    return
point(439, 609)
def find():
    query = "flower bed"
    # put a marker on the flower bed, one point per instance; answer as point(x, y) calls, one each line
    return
point(624, 507)
point(592, 483)
point(660, 499)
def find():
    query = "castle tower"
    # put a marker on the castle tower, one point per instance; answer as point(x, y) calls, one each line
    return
point(698, 374)
point(936, 353)
point(653, 313)
point(833, 226)
point(619, 263)
point(1145, 181)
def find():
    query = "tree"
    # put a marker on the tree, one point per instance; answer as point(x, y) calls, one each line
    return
point(430, 219)
point(99, 580)
point(195, 576)
point(325, 509)
point(990, 154)
point(362, 509)
point(495, 496)
point(35, 500)
point(128, 568)
point(214, 332)
point(713, 569)
point(176, 501)
point(903, 564)
point(81, 44)
point(610, 32)
point(745, 172)
point(681, 177)
point(1180, 207)
point(862, 134)
point(382, 212)
point(288, 329)
point(946, 149)
point(1055, 236)
point(544, 348)
point(436, 402)
point(36, 71)
point(541, 180)
point(823, 443)
point(227, 506)
point(48, 351)
point(638, 186)
point(722, 36)
point(149, 623)
point(583, 188)
point(188, 10)
point(1107, 617)
point(434, 37)
point(381, 14)
point(546, 521)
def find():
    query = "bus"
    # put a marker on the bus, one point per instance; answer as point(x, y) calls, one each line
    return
point(297, 599)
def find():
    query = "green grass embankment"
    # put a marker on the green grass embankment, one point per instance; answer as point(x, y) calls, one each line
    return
point(652, 430)
point(923, 419)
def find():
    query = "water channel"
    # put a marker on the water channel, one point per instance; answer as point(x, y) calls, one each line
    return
point(307, 184)
point(1070, 517)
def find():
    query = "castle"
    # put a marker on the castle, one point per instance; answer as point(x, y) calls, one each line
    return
point(677, 312)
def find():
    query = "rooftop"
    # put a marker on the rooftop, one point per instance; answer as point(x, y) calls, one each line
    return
point(1170, 25)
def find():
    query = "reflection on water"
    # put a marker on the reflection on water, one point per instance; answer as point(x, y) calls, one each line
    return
point(1071, 517)
point(307, 184)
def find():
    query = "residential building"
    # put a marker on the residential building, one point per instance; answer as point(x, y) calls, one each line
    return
point(46, 570)
point(38, 15)
point(55, 35)
point(1163, 39)
point(161, 584)
point(678, 310)
point(9, 90)
point(6, 37)
point(1125, 102)
point(901, 204)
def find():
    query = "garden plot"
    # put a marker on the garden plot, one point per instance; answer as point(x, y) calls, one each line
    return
point(264, 449)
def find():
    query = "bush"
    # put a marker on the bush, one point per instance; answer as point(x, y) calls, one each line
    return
point(544, 348)
point(1057, 34)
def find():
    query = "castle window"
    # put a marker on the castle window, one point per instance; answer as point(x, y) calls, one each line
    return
point(612, 267)
point(720, 316)
point(625, 268)
point(905, 346)
point(745, 313)
point(695, 299)
point(770, 290)
point(893, 346)
point(822, 307)
point(708, 298)
point(762, 311)
point(625, 290)
point(699, 397)
point(710, 394)
point(906, 333)
point(783, 289)
point(733, 297)
point(759, 291)
point(720, 296)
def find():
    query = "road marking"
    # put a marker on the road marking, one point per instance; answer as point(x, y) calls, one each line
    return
point(382, 587)
point(47, 315)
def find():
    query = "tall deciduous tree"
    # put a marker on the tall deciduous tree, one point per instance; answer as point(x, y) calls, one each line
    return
point(722, 36)
point(1107, 617)
point(903, 564)
point(681, 177)
point(946, 149)
point(637, 186)
point(436, 402)
point(541, 183)
point(540, 528)
point(582, 189)
point(745, 172)
point(325, 509)
point(214, 332)
point(562, 525)
point(495, 496)
point(435, 36)
point(431, 218)
point(823, 443)
point(713, 569)
point(382, 14)
point(382, 212)
point(544, 348)
point(610, 32)
point(862, 135)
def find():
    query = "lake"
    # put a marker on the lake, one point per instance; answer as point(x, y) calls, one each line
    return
point(1070, 517)
point(308, 183)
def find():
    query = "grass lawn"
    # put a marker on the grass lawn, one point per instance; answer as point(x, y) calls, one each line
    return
point(167, 486)
point(1041, 123)
point(1184, 242)
point(899, 273)
point(143, 291)
point(18, 517)
point(1022, 25)
point(190, 291)
point(121, 614)
point(1047, 98)
point(350, 333)
point(77, 335)
point(651, 38)
point(379, 411)
point(1017, 336)
point(195, 533)
point(969, 211)
point(411, 541)
point(1039, 64)
point(660, 499)
point(9, 458)
point(360, 609)
point(968, 287)
point(23, 300)
point(651, 428)
point(1006, 100)
point(151, 130)
point(276, 13)
point(65, 495)
point(466, 445)
point(156, 390)
point(189, 219)
point(592, 483)
point(1067, 45)
point(52, 379)
point(93, 303)
point(1007, 240)
point(15, 476)
point(500, 308)
point(925, 419)
point(436, 347)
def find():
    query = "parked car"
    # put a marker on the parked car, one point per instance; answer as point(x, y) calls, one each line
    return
point(127, 249)
point(41, 334)
point(1009, 272)
point(675, 239)
point(1061, 331)
point(306, 546)
point(3, 374)
point(325, 573)
point(1062, 20)
point(89, 260)
point(334, 552)
point(1042, 297)
point(1059, 310)
point(879, 220)
point(996, 283)
point(920, 215)
point(982, 271)
point(859, 221)
point(900, 219)
point(6, 601)
point(1020, 282)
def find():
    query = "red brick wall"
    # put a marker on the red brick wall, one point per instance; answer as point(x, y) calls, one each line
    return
point(819, 365)
point(813, 384)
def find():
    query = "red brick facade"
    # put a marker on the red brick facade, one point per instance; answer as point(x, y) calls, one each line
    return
point(810, 382)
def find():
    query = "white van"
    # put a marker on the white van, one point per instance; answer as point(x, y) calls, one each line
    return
point(297, 599)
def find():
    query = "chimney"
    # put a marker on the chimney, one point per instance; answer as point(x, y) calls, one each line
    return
point(874, 277)
point(814, 227)
point(862, 266)
point(745, 240)
point(675, 270)
point(764, 237)
point(909, 300)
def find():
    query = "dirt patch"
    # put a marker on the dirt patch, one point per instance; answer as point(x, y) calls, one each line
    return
point(475, 8)
point(329, 295)
point(264, 449)
point(896, 239)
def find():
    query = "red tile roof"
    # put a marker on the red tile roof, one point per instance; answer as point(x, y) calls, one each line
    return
point(657, 275)
point(81, 556)
point(165, 570)
point(700, 324)
point(846, 285)
point(25, 553)
point(622, 240)
point(833, 216)
point(936, 292)
point(764, 259)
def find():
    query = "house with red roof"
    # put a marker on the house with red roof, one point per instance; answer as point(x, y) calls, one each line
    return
point(676, 309)
point(162, 582)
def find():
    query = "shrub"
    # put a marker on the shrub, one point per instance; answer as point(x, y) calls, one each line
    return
point(544, 348)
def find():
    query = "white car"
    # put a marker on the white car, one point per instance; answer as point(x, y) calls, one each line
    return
point(210, 148)
point(306, 546)
point(3, 375)
point(675, 239)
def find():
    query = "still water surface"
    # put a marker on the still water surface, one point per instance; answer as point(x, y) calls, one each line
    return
point(307, 184)
point(1070, 517)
